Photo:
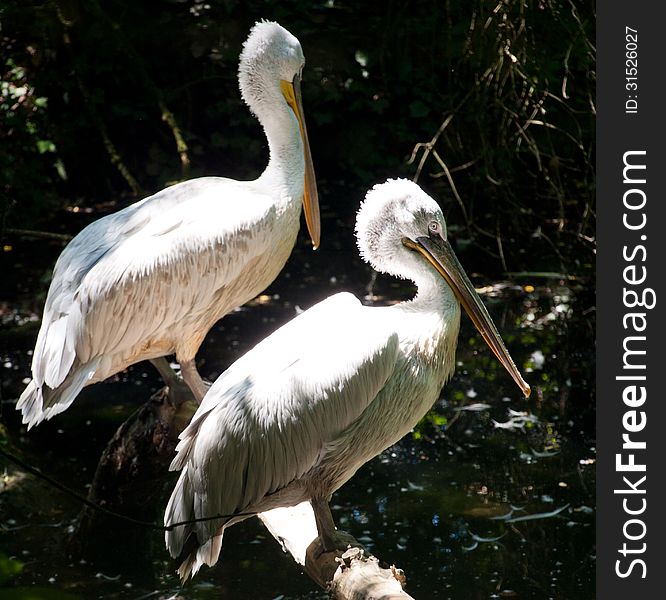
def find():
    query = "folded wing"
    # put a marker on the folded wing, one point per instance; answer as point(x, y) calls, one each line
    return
point(265, 421)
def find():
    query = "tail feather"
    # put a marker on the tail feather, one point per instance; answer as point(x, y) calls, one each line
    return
point(58, 354)
point(206, 554)
point(55, 354)
point(182, 542)
point(179, 508)
point(39, 402)
point(30, 404)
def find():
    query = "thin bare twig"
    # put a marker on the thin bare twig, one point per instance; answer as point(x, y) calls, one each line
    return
point(428, 147)
point(446, 171)
point(31, 233)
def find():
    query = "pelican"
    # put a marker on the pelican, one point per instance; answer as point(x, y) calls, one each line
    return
point(153, 278)
point(294, 418)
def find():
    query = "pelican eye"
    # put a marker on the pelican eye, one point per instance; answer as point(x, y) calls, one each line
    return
point(435, 228)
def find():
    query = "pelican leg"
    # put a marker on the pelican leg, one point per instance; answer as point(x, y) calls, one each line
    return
point(178, 391)
point(330, 537)
point(166, 372)
point(199, 387)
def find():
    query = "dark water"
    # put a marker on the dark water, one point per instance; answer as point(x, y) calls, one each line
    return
point(492, 496)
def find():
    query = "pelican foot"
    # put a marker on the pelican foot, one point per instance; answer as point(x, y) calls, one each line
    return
point(336, 541)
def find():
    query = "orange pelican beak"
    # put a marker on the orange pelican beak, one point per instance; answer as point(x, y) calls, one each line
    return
point(292, 94)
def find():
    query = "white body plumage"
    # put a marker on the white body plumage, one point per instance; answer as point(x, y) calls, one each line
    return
point(153, 278)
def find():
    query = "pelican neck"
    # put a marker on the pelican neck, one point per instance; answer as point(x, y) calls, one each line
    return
point(286, 163)
point(433, 294)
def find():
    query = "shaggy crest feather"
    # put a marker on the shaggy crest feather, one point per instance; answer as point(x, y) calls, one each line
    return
point(390, 211)
point(269, 54)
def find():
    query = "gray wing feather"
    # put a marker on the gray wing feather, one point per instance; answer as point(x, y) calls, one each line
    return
point(265, 421)
point(128, 276)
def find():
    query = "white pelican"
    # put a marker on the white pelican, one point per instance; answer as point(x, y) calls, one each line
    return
point(153, 278)
point(294, 418)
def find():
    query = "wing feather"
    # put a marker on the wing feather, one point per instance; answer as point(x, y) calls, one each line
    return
point(265, 421)
point(136, 272)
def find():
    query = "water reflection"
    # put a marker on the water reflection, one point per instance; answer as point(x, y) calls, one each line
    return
point(453, 504)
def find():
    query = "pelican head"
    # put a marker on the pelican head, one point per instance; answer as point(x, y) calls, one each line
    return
point(400, 230)
point(391, 211)
point(269, 76)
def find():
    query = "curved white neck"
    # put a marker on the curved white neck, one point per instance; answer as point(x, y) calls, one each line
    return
point(429, 327)
point(286, 163)
point(433, 293)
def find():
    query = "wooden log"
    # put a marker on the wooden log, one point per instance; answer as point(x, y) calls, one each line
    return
point(131, 479)
point(350, 575)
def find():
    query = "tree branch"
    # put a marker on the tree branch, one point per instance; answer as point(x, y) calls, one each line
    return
point(349, 576)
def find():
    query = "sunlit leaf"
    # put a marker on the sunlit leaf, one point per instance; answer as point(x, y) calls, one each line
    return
point(9, 568)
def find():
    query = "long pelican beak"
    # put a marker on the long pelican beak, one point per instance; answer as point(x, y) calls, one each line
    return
point(439, 253)
point(292, 94)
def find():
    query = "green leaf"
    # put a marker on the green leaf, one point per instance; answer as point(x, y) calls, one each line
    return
point(439, 420)
point(9, 568)
point(44, 146)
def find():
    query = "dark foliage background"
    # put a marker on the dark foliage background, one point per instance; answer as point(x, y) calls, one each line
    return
point(489, 104)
